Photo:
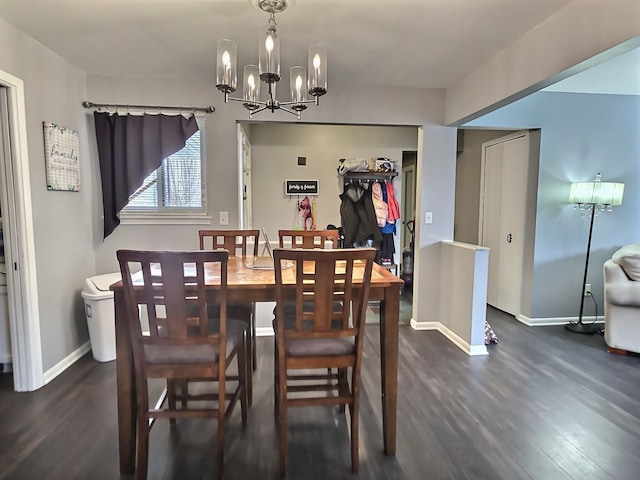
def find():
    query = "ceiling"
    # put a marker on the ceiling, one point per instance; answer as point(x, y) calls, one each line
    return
point(404, 43)
point(370, 43)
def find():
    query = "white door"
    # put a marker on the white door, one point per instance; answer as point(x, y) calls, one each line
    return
point(502, 216)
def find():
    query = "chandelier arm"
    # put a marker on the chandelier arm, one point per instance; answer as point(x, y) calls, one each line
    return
point(246, 101)
point(296, 103)
point(289, 111)
point(251, 112)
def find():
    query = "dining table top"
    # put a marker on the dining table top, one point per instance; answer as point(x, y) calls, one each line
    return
point(239, 274)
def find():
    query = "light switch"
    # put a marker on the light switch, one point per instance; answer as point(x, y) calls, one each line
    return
point(428, 218)
point(224, 218)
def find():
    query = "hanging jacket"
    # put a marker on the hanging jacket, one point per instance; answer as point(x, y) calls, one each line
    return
point(390, 226)
point(358, 216)
point(394, 208)
point(382, 211)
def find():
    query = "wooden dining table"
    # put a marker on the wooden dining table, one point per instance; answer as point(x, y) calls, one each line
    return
point(253, 285)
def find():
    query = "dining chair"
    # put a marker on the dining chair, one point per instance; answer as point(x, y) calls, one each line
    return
point(182, 343)
point(240, 243)
point(317, 347)
point(307, 238)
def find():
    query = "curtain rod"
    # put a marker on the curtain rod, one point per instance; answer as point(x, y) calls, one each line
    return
point(209, 109)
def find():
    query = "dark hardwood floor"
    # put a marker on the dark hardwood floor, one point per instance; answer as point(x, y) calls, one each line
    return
point(545, 404)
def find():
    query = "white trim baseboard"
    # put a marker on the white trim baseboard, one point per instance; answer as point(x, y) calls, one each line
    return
point(550, 321)
point(66, 362)
point(471, 350)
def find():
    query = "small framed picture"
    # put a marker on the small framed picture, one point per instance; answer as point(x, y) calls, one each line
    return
point(61, 146)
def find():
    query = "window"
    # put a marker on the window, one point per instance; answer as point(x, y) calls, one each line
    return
point(178, 187)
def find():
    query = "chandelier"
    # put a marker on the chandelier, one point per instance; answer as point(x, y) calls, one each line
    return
point(268, 71)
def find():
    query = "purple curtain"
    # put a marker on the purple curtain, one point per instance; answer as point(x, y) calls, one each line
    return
point(130, 148)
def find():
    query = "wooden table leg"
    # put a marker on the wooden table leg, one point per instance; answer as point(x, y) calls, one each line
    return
point(389, 324)
point(126, 389)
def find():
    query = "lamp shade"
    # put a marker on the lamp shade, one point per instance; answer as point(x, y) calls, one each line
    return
point(269, 54)
point(317, 70)
point(298, 84)
point(251, 87)
point(597, 193)
point(226, 76)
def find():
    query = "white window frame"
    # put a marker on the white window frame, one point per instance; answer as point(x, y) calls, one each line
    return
point(175, 215)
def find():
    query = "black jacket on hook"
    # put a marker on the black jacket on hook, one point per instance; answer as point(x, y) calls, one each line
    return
point(358, 217)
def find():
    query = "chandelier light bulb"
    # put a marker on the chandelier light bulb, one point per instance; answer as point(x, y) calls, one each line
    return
point(316, 68)
point(251, 83)
point(268, 44)
point(226, 60)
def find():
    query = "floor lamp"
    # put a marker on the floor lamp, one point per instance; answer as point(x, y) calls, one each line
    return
point(592, 198)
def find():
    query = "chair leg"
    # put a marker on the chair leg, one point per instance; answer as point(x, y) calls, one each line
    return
point(243, 368)
point(282, 421)
point(171, 398)
point(343, 385)
point(221, 425)
point(248, 370)
point(142, 447)
point(276, 389)
point(355, 457)
point(254, 357)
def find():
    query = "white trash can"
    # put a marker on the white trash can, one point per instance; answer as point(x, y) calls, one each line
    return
point(100, 312)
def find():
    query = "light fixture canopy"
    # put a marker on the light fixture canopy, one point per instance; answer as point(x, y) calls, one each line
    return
point(268, 71)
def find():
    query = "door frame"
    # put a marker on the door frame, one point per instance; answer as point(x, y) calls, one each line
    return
point(518, 301)
point(15, 191)
point(244, 170)
point(408, 203)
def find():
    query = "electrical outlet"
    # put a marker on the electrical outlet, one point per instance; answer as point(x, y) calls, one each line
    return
point(224, 218)
point(587, 290)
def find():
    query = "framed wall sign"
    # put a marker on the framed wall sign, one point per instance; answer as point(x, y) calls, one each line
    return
point(61, 146)
point(301, 187)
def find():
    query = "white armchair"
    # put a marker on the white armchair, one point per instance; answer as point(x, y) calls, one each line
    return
point(622, 300)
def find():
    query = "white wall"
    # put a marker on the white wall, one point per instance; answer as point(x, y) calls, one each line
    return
point(62, 221)
point(275, 149)
point(562, 45)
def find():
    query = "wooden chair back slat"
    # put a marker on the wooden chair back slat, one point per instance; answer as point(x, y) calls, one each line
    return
point(168, 284)
point(236, 242)
point(307, 238)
